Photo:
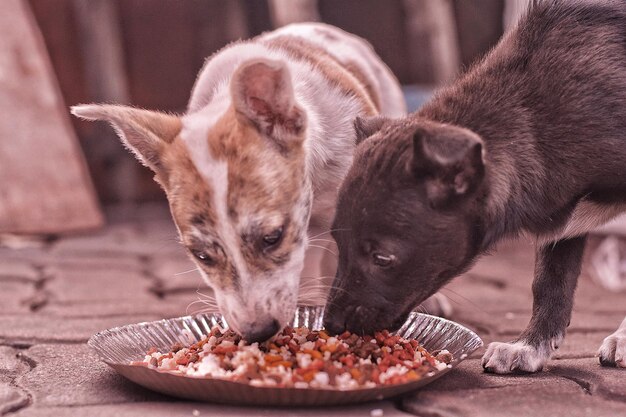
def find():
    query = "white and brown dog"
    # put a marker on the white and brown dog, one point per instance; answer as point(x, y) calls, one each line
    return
point(256, 160)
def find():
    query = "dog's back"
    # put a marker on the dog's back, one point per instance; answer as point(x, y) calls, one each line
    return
point(552, 93)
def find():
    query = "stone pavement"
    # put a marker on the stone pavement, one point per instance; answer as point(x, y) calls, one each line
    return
point(54, 295)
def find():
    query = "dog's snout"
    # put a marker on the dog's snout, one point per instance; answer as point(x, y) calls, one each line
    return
point(334, 324)
point(262, 331)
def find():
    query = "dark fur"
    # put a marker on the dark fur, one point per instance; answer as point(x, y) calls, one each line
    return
point(547, 109)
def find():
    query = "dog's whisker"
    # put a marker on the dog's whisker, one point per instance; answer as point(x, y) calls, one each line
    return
point(322, 240)
point(186, 272)
point(329, 231)
point(470, 302)
point(323, 248)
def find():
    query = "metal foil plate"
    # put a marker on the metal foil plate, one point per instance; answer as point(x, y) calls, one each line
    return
point(121, 345)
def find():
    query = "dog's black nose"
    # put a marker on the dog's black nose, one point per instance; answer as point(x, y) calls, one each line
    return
point(262, 332)
point(334, 325)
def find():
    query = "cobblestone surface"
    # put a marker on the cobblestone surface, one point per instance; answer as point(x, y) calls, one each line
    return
point(55, 294)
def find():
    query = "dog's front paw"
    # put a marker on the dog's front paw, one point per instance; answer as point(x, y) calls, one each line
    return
point(613, 350)
point(505, 358)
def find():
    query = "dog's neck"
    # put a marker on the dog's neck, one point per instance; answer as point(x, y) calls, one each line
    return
point(518, 193)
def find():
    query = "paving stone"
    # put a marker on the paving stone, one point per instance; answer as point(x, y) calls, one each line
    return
point(17, 269)
point(580, 345)
point(592, 297)
point(123, 240)
point(14, 296)
point(188, 303)
point(471, 292)
point(68, 285)
point(188, 409)
point(152, 306)
point(470, 375)
point(110, 262)
point(11, 398)
point(541, 394)
point(70, 375)
point(36, 327)
point(511, 264)
point(176, 275)
point(10, 365)
point(146, 213)
point(598, 380)
point(509, 325)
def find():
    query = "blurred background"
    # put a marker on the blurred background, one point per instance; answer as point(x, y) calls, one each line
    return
point(148, 52)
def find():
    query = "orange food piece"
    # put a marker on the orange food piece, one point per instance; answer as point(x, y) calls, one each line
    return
point(308, 376)
point(269, 358)
point(286, 364)
point(315, 354)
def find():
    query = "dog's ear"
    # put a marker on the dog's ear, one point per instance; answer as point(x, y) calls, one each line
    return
point(450, 164)
point(146, 133)
point(365, 127)
point(262, 93)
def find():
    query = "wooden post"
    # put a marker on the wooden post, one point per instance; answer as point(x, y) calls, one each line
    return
point(44, 183)
point(284, 12)
point(513, 11)
point(431, 30)
point(105, 74)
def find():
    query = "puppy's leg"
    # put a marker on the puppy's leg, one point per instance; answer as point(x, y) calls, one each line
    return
point(556, 271)
point(613, 349)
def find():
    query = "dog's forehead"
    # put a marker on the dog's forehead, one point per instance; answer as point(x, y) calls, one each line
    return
point(237, 171)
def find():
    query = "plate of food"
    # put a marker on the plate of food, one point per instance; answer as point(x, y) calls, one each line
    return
point(200, 358)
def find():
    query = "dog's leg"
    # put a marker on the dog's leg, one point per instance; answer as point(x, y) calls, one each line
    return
point(556, 271)
point(613, 349)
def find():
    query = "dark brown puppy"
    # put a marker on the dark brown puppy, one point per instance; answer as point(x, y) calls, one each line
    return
point(531, 140)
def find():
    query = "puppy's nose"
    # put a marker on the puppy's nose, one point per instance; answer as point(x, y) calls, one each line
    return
point(334, 324)
point(262, 332)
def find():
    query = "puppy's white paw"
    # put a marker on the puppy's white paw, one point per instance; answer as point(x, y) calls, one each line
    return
point(613, 350)
point(505, 358)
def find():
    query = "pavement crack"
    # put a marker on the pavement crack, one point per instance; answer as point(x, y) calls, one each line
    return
point(590, 383)
point(27, 400)
point(487, 280)
point(586, 386)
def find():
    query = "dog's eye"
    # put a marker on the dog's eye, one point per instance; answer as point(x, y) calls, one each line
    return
point(273, 238)
point(203, 257)
point(383, 260)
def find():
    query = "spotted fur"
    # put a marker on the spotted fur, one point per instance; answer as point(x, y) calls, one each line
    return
point(266, 140)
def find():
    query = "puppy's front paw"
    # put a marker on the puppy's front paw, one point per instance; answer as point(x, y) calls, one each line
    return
point(505, 358)
point(613, 350)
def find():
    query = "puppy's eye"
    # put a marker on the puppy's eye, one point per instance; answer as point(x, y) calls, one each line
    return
point(203, 257)
point(383, 260)
point(274, 238)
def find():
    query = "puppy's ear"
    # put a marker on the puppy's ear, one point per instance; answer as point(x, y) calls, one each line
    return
point(367, 126)
point(146, 133)
point(449, 163)
point(263, 95)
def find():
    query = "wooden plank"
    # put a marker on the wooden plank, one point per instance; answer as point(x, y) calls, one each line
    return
point(105, 71)
point(433, 41)
point(284, 12)
point(479, 24)
point(44, 185)
point(380, 22)
point(513, 11)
